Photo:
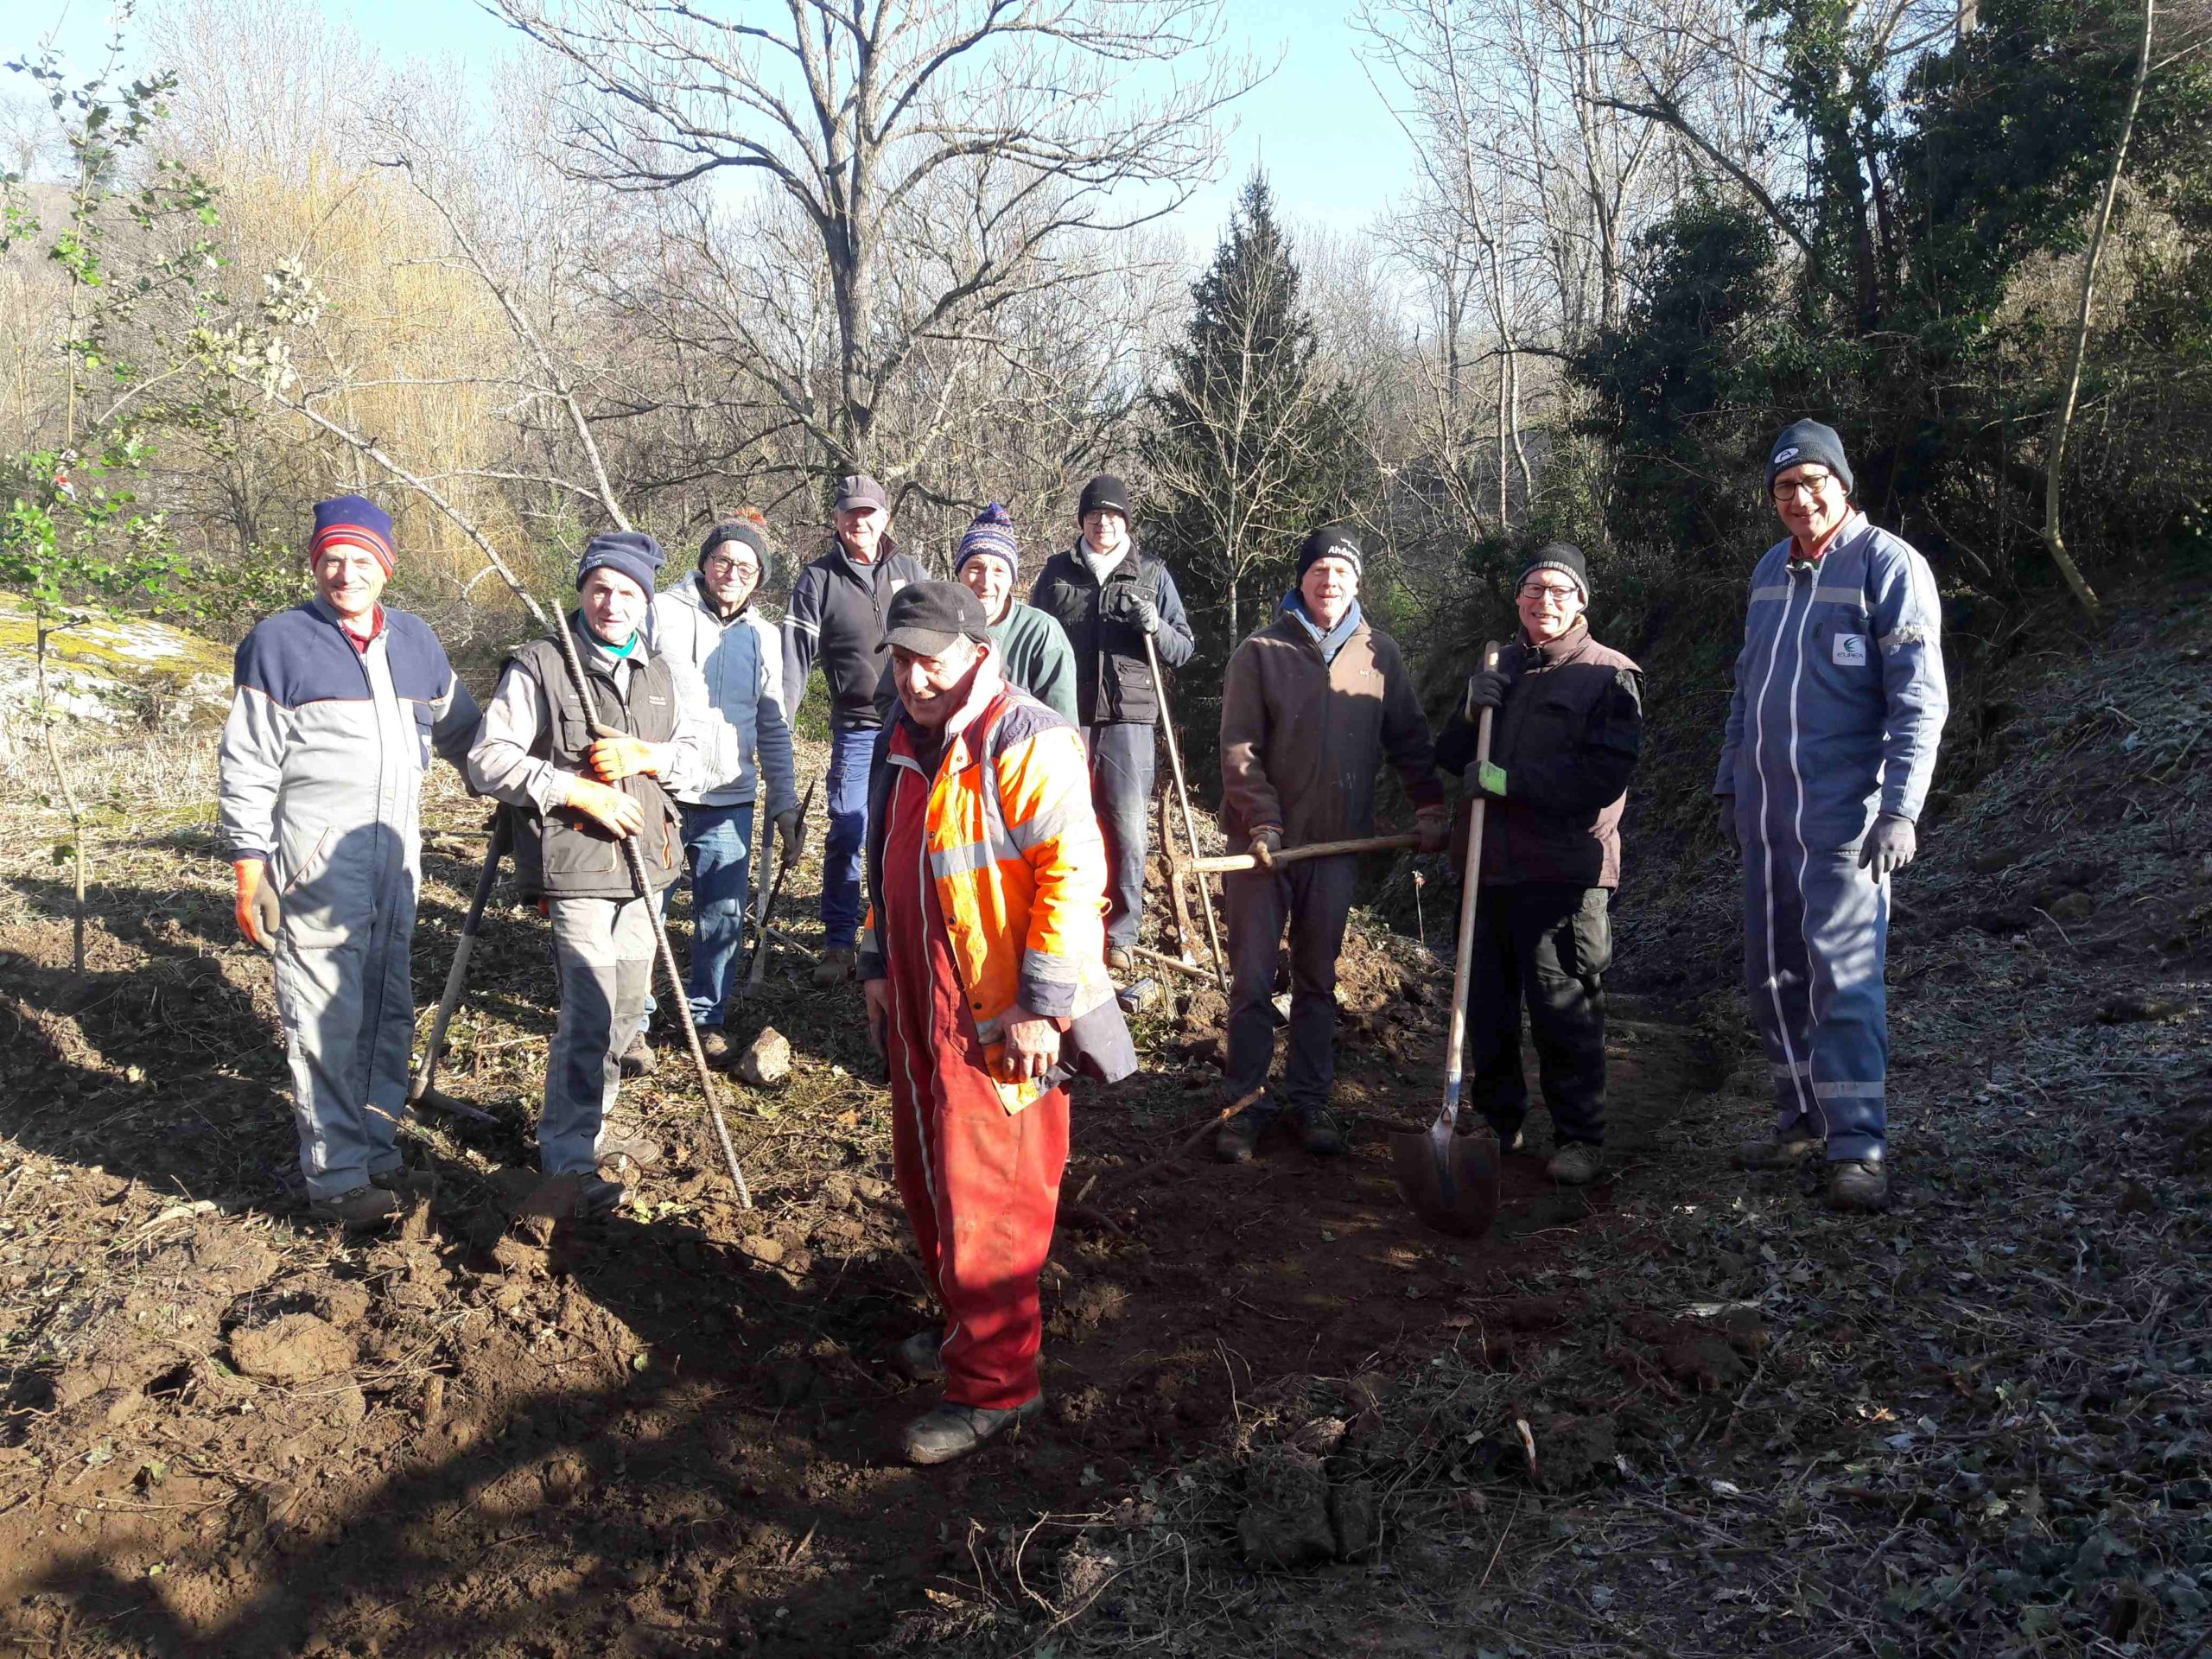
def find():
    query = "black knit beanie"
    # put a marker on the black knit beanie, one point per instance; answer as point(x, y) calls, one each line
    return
point(1564, 558)
point(1331, 541)
point(1808, 443)
point(1104, 493)
point(736, 530)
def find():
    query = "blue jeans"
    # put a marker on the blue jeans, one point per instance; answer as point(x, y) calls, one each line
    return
point(718, 845)
point(850, 752)
point(1121, 787)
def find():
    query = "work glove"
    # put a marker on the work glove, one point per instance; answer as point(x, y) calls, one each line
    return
point(1485, 690)
point(1265, 844)
point(614, 758)
point(787, 830)
point(256, 909)
point(1891, 845)
point(1433, 825)
point(1728, 825)
point(610, 809)
point(1126, 604)
point(1487, 778)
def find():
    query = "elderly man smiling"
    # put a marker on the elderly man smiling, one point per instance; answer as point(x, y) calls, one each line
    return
point(1831, 740)
point(983, 965)
point(1569, 725)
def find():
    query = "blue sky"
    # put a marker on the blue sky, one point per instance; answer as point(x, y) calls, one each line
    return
point(1330, 149)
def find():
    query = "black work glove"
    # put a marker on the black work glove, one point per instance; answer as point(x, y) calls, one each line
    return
point(1891, 845)
point(1125, 604)
point(1485, 690)
point(1728, 825)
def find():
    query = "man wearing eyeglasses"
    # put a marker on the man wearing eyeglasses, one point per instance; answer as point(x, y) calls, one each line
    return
point(710, 623)
point(1839, 702)
point(1568, 728)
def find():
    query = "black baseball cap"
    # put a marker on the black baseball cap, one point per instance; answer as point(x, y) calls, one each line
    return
point(926, 617)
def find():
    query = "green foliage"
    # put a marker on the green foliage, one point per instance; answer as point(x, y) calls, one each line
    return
point(1249, 447)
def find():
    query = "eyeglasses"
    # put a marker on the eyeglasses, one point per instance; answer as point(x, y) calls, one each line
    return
point(1790, 488)
point(721, 566)
point(1538, 592)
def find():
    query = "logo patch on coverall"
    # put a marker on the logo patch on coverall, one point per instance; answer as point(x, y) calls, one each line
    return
point(1848, 651)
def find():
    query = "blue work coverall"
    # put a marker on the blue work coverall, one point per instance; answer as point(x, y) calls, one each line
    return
point(1839, 700)
point(321, 775)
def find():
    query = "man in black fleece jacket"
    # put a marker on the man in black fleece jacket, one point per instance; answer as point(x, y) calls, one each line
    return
point(837, 615)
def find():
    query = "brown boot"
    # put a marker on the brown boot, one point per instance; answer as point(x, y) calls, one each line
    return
point(362, 1208)
point(638, 1060)
point(715, 1044)
point(833, 966)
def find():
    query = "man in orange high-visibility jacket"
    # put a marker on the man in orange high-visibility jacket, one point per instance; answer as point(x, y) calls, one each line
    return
point(984, 962)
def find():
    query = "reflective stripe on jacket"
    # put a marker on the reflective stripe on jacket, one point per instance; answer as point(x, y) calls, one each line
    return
point(1020, 871)
point(1840, 695)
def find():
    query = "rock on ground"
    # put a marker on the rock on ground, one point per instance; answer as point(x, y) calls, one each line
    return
point(768, 1060)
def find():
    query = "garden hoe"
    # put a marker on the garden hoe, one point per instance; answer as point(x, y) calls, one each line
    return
point(1451, 1179)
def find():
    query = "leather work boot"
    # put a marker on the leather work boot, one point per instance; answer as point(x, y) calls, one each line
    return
point(1119, 961)
point(597, 1196)
point(948, 1431)
point(916, 1358)
point(1858, 1185)
point(1575, 1164)
point(715, 1044)
point(1775, 1152)
point(1319, 1133)
point(640, 1149)
point(1238, 1137)
point(362, 1208)
point(833, 965)
point(638, 1060)
point(406, 1183)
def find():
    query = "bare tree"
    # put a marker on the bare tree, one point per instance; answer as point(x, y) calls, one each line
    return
point(923, 163)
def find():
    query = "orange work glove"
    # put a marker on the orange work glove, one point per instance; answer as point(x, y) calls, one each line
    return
point(610, 809)
point(614, 758)
point(256, 908)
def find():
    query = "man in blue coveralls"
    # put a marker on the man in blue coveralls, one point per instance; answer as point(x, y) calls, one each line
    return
point(1831, 740)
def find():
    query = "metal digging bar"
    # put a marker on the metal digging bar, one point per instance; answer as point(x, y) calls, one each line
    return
point(1183, 800)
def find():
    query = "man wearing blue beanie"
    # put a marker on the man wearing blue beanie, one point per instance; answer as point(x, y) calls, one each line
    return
point(577, 797)
point(337, 707)
point(1831, 740)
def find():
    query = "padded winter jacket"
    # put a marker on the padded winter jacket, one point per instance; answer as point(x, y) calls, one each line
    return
point(1301, 738)
point(1567, 736)
point(1020, 871)
point(1840, 695)
point(744, 737)
point(1113, 681)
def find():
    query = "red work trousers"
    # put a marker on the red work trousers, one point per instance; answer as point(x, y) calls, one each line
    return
point(981, 1186)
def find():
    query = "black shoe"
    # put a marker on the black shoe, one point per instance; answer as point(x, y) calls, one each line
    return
point(597, 1196)
point(948, 1431)
point(1319, 1133)
point(1238, 1138)
point(916, 1359)
point(638, 1060)
point(1858, 1185)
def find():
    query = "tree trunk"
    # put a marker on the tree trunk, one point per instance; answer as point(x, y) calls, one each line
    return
point(2062, 422)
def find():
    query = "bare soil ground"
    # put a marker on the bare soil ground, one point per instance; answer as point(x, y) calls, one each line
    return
point(1686, 1412)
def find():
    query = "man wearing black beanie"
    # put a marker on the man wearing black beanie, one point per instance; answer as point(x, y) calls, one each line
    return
point(1110, 596)
point(1830, 744)
point(1565, 738)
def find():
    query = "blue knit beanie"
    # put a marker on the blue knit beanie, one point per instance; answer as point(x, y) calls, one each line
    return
point(631, 553)
point(990, 531)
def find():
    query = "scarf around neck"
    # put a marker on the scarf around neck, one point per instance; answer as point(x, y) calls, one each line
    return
point(1333, 641)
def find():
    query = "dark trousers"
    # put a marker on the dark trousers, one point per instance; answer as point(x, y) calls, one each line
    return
point(851, 751)
point(1121, 788)
point(1315, 897)
point(1548, 946)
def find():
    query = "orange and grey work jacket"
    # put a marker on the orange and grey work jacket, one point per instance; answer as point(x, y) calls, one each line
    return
point(1019, 872)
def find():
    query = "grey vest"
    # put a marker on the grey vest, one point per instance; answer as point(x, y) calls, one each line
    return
point(568, 856)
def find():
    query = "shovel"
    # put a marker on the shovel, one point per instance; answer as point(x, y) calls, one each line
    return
point(423, 1093)
point(1451, 1180)
point(771, 890)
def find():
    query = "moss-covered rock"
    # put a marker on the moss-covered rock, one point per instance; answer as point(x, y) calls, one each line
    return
point(117, 670)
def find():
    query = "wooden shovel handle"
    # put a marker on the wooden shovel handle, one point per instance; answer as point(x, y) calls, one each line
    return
point(1471, 881)
point(1231, 862)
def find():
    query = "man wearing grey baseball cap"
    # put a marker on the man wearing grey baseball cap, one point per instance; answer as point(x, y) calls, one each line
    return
point(836, 615)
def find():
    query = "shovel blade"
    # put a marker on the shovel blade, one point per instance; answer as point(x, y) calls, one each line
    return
point(1450, 1182)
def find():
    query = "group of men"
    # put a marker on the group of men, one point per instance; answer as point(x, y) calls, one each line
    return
point(991, 763)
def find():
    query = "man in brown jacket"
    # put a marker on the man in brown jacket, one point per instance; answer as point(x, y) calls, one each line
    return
point(1569, 724)
point(1311, 709)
